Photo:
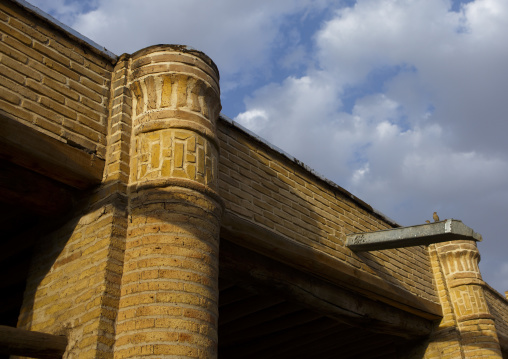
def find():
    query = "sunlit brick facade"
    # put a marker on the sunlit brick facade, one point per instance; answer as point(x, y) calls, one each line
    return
point(162, 229)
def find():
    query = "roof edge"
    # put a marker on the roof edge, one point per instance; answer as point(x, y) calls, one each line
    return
point(302, 165)
point(96, 48)
point(495, 292)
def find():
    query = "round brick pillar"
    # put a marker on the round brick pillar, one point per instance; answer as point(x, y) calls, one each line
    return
point(459, 263)
point(169, 293)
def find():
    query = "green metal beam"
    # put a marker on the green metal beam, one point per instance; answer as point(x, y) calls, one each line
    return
point(424, 234)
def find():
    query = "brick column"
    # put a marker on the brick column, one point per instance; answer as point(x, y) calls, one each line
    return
point(467, 325)
point(169, 295)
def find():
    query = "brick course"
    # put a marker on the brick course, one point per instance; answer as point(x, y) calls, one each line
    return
point(169, 295)
point(52, 83)
point(133, 269)
point(467, 329)
point(265, 187)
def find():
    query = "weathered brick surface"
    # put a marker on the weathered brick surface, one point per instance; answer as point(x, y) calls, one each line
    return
point(261, 185)
point(74, 282)
point(498, 307)
point(169, 294)
point(467, 329)
point(170, 282)
point(133, 271)
point(51, 82)
point(175, 153)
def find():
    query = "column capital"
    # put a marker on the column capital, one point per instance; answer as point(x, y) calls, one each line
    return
point(174, 87)
point(176, 103)
point(460, 260)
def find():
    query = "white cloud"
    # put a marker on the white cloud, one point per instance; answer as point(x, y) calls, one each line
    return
point(238, 36)
point(432, 138)
point(254, 119)
point(402, 102)
point(461, 73)
point(65, 10)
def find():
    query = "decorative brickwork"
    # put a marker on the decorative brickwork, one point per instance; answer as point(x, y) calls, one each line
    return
point(168, 154)
point(467, 327)
point(130, 267)
point(169, 303)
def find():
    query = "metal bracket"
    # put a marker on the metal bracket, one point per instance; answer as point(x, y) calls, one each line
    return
point(424, 234)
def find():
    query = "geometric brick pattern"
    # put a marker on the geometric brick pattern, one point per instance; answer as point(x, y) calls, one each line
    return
point(169, 293)
point(460, 260)
point(175, 91)
point(134, 270)
point(469, 302)
point(174, 153)
point(467, 327)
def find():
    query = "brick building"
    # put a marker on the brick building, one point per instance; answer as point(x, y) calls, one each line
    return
point(139, 222)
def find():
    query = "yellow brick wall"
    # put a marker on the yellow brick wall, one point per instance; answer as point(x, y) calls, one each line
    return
point(468, 328)
point(73, 286)
point(51, 82)
point(498, 307)
point(81, 285)
point(169, 292)
point(169, 285)
point(74, 282)
point(267, 188)
point(448, 346)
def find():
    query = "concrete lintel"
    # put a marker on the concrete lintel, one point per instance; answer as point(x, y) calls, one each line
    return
point(424, 234)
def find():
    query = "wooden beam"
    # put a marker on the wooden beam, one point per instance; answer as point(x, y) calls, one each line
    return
point(241, 309)
point(311, 260)
point(270, 276)
point(270, 327)
point(29, 148)
point(232, 295)
point(32, 191)
point(291, 339)
point(228, 331)
point(15, 341)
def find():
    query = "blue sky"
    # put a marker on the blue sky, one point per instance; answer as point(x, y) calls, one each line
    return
point(402, 102)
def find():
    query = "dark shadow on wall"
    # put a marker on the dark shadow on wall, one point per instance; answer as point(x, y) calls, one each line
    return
point(49, 244)
point(278, 210)
point(257, 192)
point(265, 186)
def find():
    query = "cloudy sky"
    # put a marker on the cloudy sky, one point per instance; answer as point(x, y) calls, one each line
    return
point(401, 102)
